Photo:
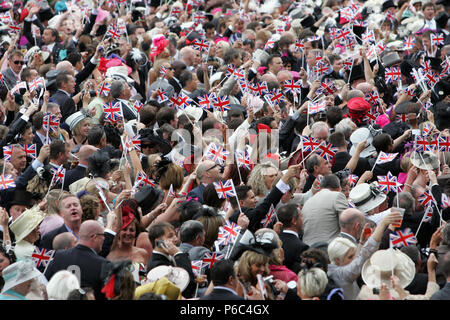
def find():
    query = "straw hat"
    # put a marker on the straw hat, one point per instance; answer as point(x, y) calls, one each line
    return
point(19, 272)
point(428, 161)
point(30, 53)
point(366, 197)
point(27, 222)
point(378, 269)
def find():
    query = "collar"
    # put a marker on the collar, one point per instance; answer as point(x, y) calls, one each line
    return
point(53, 165)
point(64, 92)
point(226, 288)
point(186, 92)
point(82, 165)
point(291, 232)
point(42, 137)
point(349, 235)
point(71, 231)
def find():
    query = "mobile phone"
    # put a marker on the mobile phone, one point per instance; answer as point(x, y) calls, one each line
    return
point(160, 244)
point(375, 291)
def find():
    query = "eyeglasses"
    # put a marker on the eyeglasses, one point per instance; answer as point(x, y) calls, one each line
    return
point(212, 167)
point(19, 62)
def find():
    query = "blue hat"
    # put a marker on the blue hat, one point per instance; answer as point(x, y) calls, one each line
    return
point(60, 6)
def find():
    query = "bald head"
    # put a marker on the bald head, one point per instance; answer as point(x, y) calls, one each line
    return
point(88, 228)
point(85, 151)
point(354, 94)
point(63, 241)
point(187, 54)
point(65, 66)
point(202, 167)
point(352, 221)
point(284, 75)
point(364, 87)
point(269, 78)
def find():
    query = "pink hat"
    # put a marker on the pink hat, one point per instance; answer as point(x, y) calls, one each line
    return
point(382, 120)
point(115, 62)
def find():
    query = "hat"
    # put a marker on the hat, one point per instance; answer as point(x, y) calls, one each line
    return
point(366, 196)
point(26, 222)
point(19, 272)
point(358, 136)
point(215, 77)
point(387, 4)
point(128, 215)
point(357, 73)
point(308, 21)
point(425, 161)
point(391, 58)
point(178, 276)
point(378, 269)
point(119, 73)
point(148, 198)
point(413, 24)
point(159, 43)
point(162, 287)
point(75, 118)
point(32, 51)
point(21, 197)
point(406, 67)
point(197, 113)
point(263, 243)
point(441, 19)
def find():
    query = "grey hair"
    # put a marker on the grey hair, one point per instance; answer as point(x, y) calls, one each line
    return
point(311, 162)
point(330, 181)
point(312, 282)
point(406, 201)
point(248, 31)
point(446, 235)
point(345, 126)
point(319, 125)
point(354, 94)
point(117, 87)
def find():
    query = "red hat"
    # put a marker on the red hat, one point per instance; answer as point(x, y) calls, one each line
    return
point(264, 127)
point(357, 108)
point(128, 215)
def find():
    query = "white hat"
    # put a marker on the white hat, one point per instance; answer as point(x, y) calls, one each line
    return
point(26, 222)
point(359, 135)
point(19, 272)
point(378, 269)
point(75, 118)
point(428, 160)
point(191, 111)
point(176, 275)
point(30, 53)
point(366, 196)
point(119, 73)
point(216, 76)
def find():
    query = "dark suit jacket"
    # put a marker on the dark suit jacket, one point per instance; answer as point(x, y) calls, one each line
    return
point(443, 294)
point(182, 260)
point(342, 158)
point(221, 294)
point(293, 248)
point(47, 240)
point(259, 213)
point(66, 104)
point(197, 192)
point(176, 86)
point(92, 267)
point(73, 175)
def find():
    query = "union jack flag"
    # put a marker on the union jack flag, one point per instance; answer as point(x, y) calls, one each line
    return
point(103, 89)
point(230, 69)
point(437, 39)
point(42, 256)
point(30, 150)
point(425, 66)
point(428, 214)
point(7, 153)
point(228, 233)
point(348, 63)
point(313, 38)
point(316, 107)
point(201, 45)
point(270, 44)
point(137, 105)
point(392, 74)
point(199, 17)
point(239, 73)
point(163, 71)
point(136, 142)
point(425, 199)
point(444, 144)
point(308, 143)
point(360, 23)
point(402, 238)
point(427, 128)
point(381, 46)
point(299, 46)
point(6, 182)
point(445, 201)
point(327, 151)
point(368, 37)
point(58, 175)
point(197, 266)
point(210, 258)
point(373, 98)
point(15, 27)
point(50, 122)
point(113, 32)
point(386, 157)
point(445, 66)
point(269, 216)
point(113, 112)
point(409, 42)
point(341, 34)
point(161, 95)
point(18, 86)
point(431, 78)
point(401, 117)
point(222, 103)
point(322, 68)
point(433, 145)
point(276, 97)
point(243, 159)
point(225, 189)
point(33, 85)
point(410, 92)
point(292, 86)
point(352, 180)
point(217, 154)
point(260, 88)
point(388, 183)
point(184, 101)
point(421, 143)
point(175, 11)
point(143, 180)
point(206, 101)
point(327, 86)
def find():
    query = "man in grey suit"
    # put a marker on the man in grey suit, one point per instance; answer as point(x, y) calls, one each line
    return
point(351, 222)
point(162, 83)
point(12, 74)
point(321, 212)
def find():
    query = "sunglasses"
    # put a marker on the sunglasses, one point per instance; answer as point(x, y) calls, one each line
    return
point(147, 146)
point(19, 62)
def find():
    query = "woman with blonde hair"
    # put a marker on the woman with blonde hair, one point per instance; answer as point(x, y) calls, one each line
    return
point(262, 177)
point(311, 283)
point(212, 221)
point(52, 218)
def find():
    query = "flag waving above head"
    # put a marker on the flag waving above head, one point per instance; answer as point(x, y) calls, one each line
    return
point(327, 151)
point(402, 238)
point(103, 89)
point(143, 180)
point(161, 96)
point(388, 183)
point(352, 180)
point(58, 175)
point(41, 256)
point(113, 112)
point(385, 157)
point(7, 152)
point(30, 150)
point(316, 107)
point(228, 233)
point(225, 189)
point(206, 101)
point(425, 199)
point(308, 143)
point(243, 159)
point(444, 144)
point(222, 103)
point(217, 154)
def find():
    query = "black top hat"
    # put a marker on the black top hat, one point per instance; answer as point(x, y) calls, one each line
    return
point(387, 4)
point(435, 63)
point(148, 198)
point(308, 21)
point(406, 67)
point(45, 14)
point(20, 197)
point(357, 72)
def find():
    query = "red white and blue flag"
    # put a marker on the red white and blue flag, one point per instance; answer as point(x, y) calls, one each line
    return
point(327, 87)
point(42, 256)
point(326, 151)
point(201, 45)
point(217, 154)
point(425, 199)
point(402, 238)
point(316, 107)
point(444, 144)
point(322, 69)
point(7, 153)
point(428, 214)
point(210, 258)
point(437, 39)
point(6, 182)
point(392, 74)
point(269, 216)
point(143, 180)
point(292, 86)
point(386, 157)
point(58, 175)
point(103, 89)
point(161, 96)
point(388, 183)
point(113, 112)
point(206, 101)
point(50, 122)
point(33, 85)
point(197, 266)
point(243, 159)
point(445, 201)
point(137, 105)
point(228, 233)
point(352, 180)
point(30, 150)
point(308, 143)
point(276, 97)
point(222, 103)
point(260, 88)
point(225, 189)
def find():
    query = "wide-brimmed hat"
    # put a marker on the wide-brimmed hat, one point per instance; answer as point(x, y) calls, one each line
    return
point(119, 73)
point(26, 222)
point(191, 111)
point(162, 287)
point(391, 59)
point(176, 275)
point(75, 118)
point(358, 136)
point(30, 53)
point(387, 4)
point(428, 160)
point(51, 77)
point(19, 272)
point(366, 197)
point(215, 77)
point(378, 269)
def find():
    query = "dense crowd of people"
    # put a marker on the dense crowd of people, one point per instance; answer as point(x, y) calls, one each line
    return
point(214, 150)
